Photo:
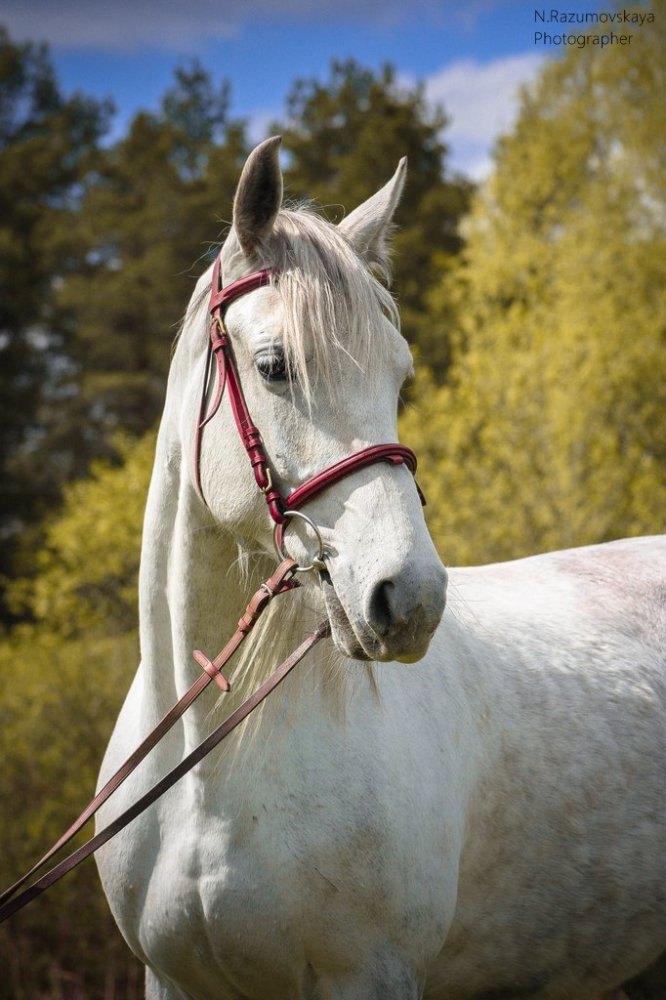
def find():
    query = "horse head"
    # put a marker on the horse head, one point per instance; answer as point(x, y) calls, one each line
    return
point(316, 347)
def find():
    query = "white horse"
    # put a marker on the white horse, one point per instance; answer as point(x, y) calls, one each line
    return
point(485, 824)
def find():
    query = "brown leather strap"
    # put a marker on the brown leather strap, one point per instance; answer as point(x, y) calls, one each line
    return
point(280, 582)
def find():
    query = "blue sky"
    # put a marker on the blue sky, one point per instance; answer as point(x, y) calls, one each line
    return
point(470, 56)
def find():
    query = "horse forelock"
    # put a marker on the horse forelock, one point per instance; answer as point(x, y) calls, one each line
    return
point(333, 303)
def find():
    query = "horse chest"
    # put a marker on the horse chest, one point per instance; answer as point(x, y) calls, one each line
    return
point(251, 871)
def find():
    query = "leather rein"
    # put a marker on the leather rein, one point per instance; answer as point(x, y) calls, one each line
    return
point(281, 508)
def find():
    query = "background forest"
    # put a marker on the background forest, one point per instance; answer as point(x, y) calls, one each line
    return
point(536, 307)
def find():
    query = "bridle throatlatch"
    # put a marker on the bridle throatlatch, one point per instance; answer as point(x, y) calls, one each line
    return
point(280, 507)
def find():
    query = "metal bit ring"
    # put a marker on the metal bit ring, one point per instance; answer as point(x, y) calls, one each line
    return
point(278, 541)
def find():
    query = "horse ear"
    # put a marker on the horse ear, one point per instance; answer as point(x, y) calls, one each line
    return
point(258, 195)
point(369, 226)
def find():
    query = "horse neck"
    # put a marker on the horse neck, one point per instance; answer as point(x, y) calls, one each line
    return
point(193, 590)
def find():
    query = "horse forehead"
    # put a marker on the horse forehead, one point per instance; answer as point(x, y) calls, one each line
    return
point(262, 314)
point(258, 315)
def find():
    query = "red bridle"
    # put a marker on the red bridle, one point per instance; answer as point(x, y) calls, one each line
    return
point(219, 347)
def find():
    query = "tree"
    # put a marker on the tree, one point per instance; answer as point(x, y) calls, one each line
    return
point(143, 229)
point(552, 431)
point(345, 138)
point(199, 117)
point(48, 146)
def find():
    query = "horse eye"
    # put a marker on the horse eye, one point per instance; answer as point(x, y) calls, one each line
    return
point(273, 367)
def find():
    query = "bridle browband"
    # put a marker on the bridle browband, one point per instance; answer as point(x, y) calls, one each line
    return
point(280, 507)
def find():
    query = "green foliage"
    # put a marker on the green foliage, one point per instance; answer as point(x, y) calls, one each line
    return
point(87, 567)
point(345, 139)
point(58, 701)
point(99, 248)
point(62, 682)
point(199, 117)
point(142, 229)
point(552, 429)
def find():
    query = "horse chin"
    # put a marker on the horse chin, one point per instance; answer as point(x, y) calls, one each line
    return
point(355, 641)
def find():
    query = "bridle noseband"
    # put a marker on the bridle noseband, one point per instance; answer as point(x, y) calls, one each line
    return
point(280, 508)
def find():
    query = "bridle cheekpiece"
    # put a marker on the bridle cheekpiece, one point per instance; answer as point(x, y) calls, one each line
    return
point(280, 507)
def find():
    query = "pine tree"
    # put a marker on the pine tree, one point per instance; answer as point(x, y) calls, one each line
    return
point(48, 147)
point(143, 228)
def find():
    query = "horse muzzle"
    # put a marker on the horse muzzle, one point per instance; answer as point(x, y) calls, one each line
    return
point(399, 615)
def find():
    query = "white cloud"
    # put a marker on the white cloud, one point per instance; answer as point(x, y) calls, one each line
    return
point(127, 25)
point(481, 100)
point(468, 14)
point(120, 26)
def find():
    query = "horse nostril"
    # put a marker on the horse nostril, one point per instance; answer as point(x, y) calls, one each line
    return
point(381, 615)
point(403, 610)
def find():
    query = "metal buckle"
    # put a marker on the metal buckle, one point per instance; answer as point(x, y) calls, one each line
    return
point(278, 541)
point(269, 481)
